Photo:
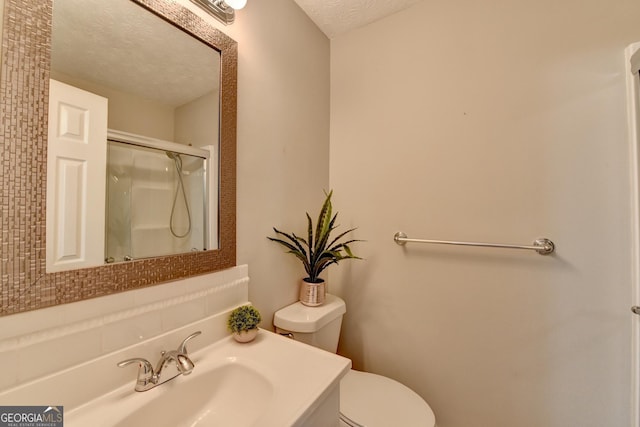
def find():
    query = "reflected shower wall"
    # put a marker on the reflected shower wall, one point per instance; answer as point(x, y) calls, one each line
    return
point(156, 202)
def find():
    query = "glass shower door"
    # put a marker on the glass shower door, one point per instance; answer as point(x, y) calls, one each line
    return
point(156, 202)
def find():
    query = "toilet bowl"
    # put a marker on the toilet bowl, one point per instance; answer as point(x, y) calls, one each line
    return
point(365, 399)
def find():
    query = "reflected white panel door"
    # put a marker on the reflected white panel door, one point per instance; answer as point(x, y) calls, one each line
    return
point(76, 178)
point(633, 105)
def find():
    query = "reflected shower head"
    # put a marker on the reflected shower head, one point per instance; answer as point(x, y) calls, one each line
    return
point(172, 155)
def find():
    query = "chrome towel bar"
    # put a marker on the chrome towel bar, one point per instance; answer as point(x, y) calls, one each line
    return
point(542, 245)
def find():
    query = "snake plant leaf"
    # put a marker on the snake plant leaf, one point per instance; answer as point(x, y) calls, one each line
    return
point(340, 236)
point(348, 251)
point(321, 241)
point(324, 220)
point(292, 250)
point(292, 237)
point(343, 245)
point(296, 249)
point(309, 231)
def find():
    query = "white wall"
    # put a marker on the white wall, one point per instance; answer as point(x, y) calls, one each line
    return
point(489, 121)
point(283, 139)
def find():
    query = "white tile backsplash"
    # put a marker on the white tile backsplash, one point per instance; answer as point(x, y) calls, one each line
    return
point(47, 356)
point(138, 328)
point(9, 360)
point(43, 342)
point(175, 316)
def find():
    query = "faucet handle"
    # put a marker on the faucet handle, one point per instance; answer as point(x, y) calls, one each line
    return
point(183, 347)
point(146, 374)
point(145, 365)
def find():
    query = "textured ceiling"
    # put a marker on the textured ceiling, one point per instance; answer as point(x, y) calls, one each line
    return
point(335, 17)
point(118, 44)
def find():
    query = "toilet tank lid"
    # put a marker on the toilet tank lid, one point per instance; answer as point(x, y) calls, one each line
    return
point(300, 318)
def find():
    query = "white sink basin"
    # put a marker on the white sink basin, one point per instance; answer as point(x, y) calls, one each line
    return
point(273, 381)
point(218, 396)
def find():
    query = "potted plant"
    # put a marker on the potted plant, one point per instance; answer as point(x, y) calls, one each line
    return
point(317, 252)
point(243, 322)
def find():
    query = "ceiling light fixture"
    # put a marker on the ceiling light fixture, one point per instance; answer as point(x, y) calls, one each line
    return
point(223, 10)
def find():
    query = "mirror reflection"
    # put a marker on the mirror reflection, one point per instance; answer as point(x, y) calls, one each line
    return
point(25, 79)
point(157, 200)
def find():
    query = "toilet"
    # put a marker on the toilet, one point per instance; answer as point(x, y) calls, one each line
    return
point(366, 399)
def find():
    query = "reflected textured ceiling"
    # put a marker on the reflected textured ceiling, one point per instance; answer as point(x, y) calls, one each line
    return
point(121, 45)
point(335, 17)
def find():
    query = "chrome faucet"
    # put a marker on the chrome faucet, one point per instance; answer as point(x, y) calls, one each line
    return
point(148, 378)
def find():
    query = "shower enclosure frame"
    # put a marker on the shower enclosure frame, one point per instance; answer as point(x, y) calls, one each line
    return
point(632, 57)
point(211, 179)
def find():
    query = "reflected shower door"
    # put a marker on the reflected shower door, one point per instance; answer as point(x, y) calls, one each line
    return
point(156, 202)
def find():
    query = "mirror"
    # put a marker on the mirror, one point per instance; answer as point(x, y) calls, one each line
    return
point(161, 84)
point(24, 85)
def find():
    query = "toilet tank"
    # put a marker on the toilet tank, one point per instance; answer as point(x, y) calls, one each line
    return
point(316, 326)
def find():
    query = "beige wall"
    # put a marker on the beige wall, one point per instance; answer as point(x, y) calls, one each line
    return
point(489, 121)
point(197, 121)
point(283, 138)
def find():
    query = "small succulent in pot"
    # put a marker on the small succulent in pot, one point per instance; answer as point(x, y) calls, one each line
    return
point(243, 322)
